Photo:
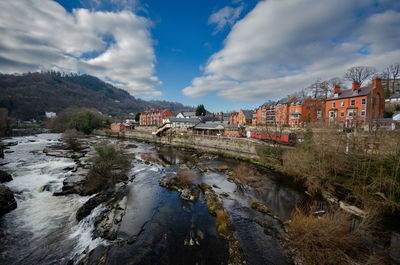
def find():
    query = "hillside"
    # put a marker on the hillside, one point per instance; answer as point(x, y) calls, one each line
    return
point(29, 95)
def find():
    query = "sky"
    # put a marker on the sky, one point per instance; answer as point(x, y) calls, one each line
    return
point(225, 54)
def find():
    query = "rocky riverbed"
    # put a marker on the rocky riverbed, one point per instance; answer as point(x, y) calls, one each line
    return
point(176, 206)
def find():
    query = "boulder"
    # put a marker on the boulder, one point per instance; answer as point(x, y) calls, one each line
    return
point(7, 200)
point(92, 203)
point(4, 176)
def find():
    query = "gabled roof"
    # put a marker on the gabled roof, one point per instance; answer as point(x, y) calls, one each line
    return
point(349, 93)
point(285, 100)
point(189, 113)
point(267, 105)
point(248, 114)
point(299, 100)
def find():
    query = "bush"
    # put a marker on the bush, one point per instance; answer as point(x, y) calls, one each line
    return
point(110, 166)
point(70, 137)
point(222, 223)
point(186, 177)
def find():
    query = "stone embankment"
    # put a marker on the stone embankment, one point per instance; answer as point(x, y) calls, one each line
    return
point(242, 148)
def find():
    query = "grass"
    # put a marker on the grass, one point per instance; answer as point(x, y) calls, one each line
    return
point(222, 223)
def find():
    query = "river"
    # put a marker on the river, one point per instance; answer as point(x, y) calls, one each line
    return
point(157, 228)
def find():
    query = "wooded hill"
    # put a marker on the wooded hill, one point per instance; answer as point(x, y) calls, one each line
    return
point(29, 95)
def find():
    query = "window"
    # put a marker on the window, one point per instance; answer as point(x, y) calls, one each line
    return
point(319, 112)
point(363, 101)
point(332, 114)
point(342, 113)
point(352, 102)
point(363, 112)
point(342, 103)
point(333, 104)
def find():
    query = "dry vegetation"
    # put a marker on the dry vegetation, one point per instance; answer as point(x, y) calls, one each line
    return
point(222, 223)
point(148, 157)
point(111, 165)
point(244, 175)
point(186, 177)
point(71, 139)
point(365, 164)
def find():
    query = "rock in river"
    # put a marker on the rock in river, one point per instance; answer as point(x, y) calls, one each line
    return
point(4, 176)
point(7, 201)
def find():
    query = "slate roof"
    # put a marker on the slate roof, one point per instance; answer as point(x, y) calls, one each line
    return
point(188, 120)
point(284, 101)
point(209, 126)
point(349, 93)
point(189, 113)
point(298, 100)
point(248, 114)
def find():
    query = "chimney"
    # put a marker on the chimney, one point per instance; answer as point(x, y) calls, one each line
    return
point(336, 89)
point(377, 82)
point(356, 86)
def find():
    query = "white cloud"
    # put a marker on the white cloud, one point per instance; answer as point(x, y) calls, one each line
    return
point(225, 17)
point(282, 46)
point(114, 46)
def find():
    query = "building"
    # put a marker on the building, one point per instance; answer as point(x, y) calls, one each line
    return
point(234, 130)
point(390, 87)
point(234, 119)
point(154, 117)
point(209, 129)
point(265, 114)
point(50, 114)
point(184, 123)
point(282, 110)
point(303, 110)
point(358, 104)
point(245, 117)
point(117, 127)
point(187, 114)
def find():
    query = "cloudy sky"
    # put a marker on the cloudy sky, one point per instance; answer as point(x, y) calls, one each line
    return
point(225, 54)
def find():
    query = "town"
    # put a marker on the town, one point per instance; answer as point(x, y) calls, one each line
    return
point(358, 107)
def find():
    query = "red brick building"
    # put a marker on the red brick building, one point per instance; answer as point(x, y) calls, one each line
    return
point(117, 127)
point(234, 131)
point(303, 110)
point(282, 110)
point(245, 117)
point(234, 118)
point(154, 117)
point(265, 114)
point(358, 104)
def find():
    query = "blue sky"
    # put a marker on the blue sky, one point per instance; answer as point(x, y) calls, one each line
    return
point(224, 54)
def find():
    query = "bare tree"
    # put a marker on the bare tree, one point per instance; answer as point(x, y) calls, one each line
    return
point(393, 70)
point(360, 74)
point(319, 89)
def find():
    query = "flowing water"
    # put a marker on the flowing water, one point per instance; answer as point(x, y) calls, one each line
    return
point(157, 228)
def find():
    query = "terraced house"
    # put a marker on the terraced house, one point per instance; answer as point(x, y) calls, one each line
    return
point(282, 110)
point(154, 117)
point(265, 114)
point(303, 110)
point(358, 104)
point(245, 117)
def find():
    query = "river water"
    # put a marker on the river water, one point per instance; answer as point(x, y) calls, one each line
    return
point(157, 228)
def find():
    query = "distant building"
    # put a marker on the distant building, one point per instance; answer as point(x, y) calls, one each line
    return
point(390, 87)
point(245, 117)
point(117, 127)
point(50, 115)
point(355, 104)
point(265, 114)
point(209, 129)
point(234, 118)
point(181, 122)
point(234, 130)
point(186, 114)
point(282, 110)
point(154, 117)
point(303, 110)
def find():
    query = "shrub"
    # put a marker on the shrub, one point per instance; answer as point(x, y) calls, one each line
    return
point(70, 137)
point(148, 157)
point(110, 166)
point(186, 177)
point(222, 223)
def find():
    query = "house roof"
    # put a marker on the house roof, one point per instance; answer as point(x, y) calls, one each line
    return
point(248, 114)
point(189, 113)
point(349, 93)
point(187, 120)
point(210, 126)
point(299, 100)
point(285, 100)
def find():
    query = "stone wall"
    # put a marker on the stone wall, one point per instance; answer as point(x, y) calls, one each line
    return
point(236, 147)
